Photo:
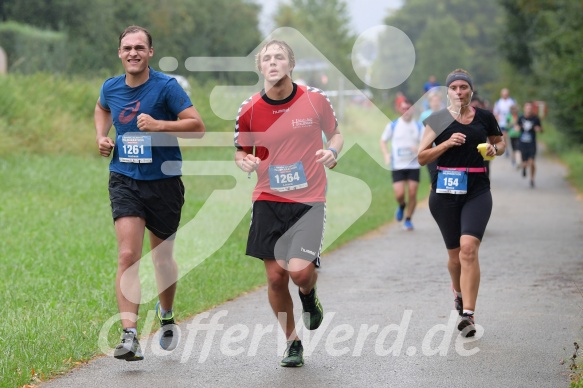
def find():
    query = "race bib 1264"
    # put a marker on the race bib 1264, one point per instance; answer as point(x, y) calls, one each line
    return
point(288, 177)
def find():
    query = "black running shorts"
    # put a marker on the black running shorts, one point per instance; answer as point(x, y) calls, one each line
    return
point(159, 202)
point(456, 215)
point(283, 231)
point(527, 150)
point(405, 175)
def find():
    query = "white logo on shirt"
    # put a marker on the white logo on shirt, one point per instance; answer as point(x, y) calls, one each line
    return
point(300, 123)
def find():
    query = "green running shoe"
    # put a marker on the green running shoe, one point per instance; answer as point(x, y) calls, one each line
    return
point(129, 348)
point(294, 355)
point(313, 312)
point(168, 329)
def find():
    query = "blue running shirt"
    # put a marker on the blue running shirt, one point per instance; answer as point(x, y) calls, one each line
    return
point(162, 98)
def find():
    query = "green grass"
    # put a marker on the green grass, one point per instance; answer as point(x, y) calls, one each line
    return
point(58, 256)
point(59, 260)
point(571, 155)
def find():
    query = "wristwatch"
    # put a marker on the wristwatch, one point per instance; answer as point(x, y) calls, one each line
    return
point(495, 148)
point(334, 152)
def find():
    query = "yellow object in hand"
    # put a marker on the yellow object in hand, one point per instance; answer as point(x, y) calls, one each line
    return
point(483, 148)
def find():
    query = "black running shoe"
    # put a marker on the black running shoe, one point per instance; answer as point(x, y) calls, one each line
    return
point(294, 355)
point(467, 325)
point(129, 348)
point(168, 330)
point(458, 302)
point(313, 312)
point(459, 305)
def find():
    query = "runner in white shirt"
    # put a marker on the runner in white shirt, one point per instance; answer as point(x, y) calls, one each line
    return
point(405, 136)
point(501, 111)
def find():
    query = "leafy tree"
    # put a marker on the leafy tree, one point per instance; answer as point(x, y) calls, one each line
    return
point(455, 33)
point(326, 24)
point(546, 39)
point(518, 30)
point(440, 48)
point(180, 28)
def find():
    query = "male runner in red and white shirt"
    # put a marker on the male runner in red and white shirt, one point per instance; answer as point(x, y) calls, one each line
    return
point(278, 134)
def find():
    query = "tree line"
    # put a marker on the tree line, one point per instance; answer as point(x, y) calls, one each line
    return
point(530, 46)
point(543, 41)
point(180, 28)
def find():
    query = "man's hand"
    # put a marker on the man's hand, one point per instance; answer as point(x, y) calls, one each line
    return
point(147, 123)
point(105, 145)
point(326, 157)
point(249, 163)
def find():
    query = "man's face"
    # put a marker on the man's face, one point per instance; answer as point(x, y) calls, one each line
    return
point(406, 111)
point(135, 52)
point(435, 103)
point(274, 63)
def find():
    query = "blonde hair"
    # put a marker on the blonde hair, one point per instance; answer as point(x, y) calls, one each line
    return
point(282, 45)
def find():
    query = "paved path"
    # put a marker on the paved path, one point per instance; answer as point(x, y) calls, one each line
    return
point(388, 307)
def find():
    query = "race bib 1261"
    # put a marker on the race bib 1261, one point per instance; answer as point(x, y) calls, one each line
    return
point(135, 148)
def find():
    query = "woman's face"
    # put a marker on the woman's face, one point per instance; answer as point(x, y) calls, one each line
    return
point(459, 93)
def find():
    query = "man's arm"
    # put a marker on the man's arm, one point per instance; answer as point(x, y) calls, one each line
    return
point(189, 125)
point(246, 161)
point(103, 122)
point(538, 127)
point(334, 145)
point(385, 151)
point(336, 141)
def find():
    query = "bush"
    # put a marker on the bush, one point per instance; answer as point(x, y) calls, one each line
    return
point(30, 50)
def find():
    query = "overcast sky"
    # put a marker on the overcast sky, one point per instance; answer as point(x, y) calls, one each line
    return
point(364, 13)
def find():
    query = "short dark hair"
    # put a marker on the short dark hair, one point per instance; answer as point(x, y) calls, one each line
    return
point(134, 29)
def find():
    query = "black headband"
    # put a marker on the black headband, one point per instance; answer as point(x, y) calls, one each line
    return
point(458, 77)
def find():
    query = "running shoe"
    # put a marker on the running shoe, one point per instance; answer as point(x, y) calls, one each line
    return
point(524, 172)
point(467, 325)
point(168, 340)
point(408, 225)
point(399, 213)
point(313, 314)
point(294, 354)
point(458, 302)
point(129, 348)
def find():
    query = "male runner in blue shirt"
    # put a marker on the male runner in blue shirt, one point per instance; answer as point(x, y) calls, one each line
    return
point(149, 110)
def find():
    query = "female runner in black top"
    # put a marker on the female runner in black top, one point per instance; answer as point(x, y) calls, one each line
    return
point(460, 199)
